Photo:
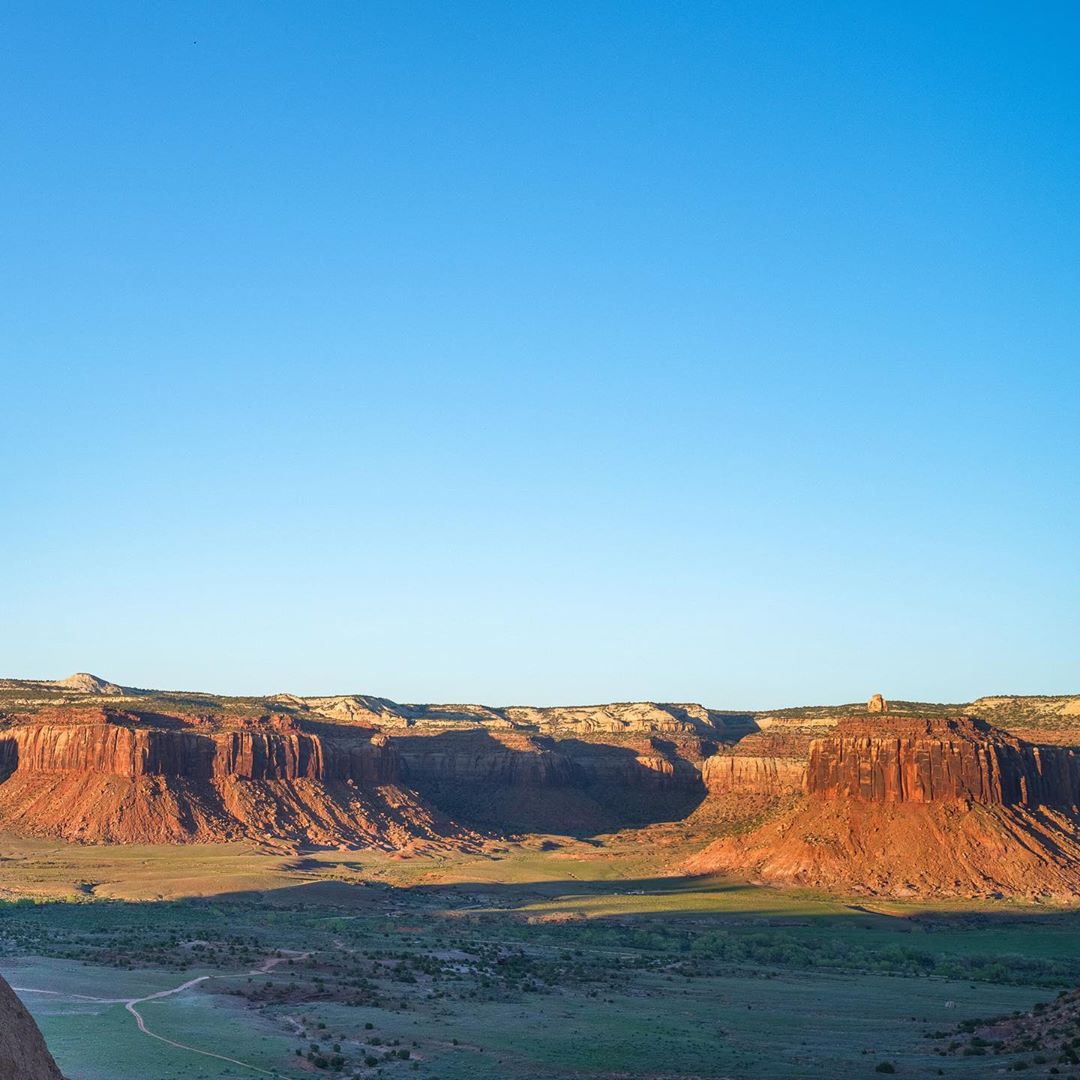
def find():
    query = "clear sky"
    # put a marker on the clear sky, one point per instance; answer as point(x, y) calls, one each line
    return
point(542, 352)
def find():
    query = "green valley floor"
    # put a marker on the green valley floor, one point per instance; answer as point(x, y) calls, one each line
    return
point(550, 960)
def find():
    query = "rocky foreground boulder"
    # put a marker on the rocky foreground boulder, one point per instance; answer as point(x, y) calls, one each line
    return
point(23, 1054)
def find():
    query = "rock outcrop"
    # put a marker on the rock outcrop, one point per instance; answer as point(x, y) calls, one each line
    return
point(630, 718)
point(911, 806)
point(23, 1053)
point(82, 682)
point(877, 704)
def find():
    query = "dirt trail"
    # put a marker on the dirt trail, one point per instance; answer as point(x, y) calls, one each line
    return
point(130, 1005)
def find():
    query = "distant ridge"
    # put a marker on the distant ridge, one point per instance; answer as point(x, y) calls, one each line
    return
point(1011, 711)
point(902, 798)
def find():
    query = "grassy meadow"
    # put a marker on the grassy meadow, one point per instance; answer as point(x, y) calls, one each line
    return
point(556, 959)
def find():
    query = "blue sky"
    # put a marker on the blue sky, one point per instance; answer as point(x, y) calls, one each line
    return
point(542, 353)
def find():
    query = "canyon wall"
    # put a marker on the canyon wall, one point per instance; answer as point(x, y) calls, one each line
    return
point(116, 774)
point(114, 750)
point(922, 761)
point(120, 774)
point(472, 757)
point(124, 745)
point(724, 773)
point(906, 800)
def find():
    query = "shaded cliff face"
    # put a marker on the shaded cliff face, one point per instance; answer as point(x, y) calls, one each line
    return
point(501, 758)
point(511, 782)
point(23, 1054)
point(924, 761)
point(905, 807)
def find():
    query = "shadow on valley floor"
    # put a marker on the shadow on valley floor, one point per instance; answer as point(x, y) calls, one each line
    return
point(709, 920)
point(661, 896)
point(474, 981)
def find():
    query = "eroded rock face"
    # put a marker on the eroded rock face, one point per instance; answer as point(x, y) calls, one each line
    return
point(23, 1054)
point(511, 782)
point(877, 704)
point(639, 718)
point(924, 761)
point(483, 757)
point(113, 750)
point(115, 776)
point(914, 806)
point(88, 759)
point(99, 773)
point(723, 773)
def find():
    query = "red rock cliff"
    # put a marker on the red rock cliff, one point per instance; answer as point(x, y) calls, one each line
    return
point(724, 773)
point(923, 761)
point(112, 749)
point(513, 759)
point(907, 807)
point(109, 775)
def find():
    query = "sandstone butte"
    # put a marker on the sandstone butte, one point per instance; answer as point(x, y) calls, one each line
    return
point(904, 799)
point(921, 806)
point(23, 1054)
